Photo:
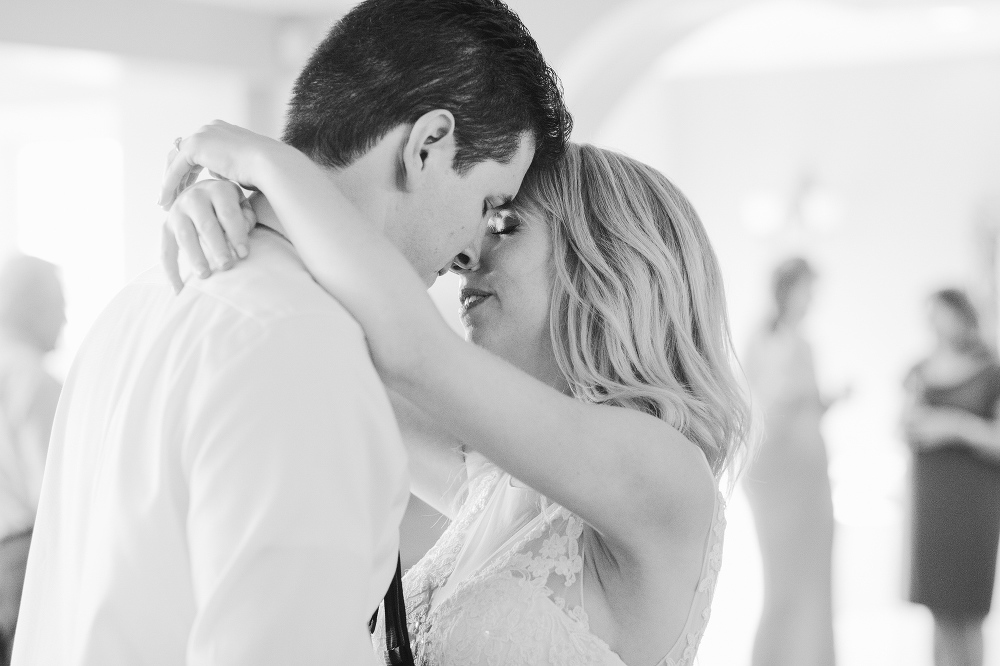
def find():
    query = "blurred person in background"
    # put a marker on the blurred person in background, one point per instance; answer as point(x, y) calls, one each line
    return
point(951, 426)
point(32, 314)
point(788, 485)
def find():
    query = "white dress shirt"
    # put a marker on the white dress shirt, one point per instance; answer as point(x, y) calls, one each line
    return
point(225, 480)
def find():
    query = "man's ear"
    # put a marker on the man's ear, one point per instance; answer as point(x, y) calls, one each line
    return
point(429, 147)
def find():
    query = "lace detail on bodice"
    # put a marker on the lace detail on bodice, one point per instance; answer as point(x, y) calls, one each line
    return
point(516, 598)
point(683, 653)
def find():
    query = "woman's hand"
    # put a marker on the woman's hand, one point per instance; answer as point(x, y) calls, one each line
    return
point(930, 427)
point(213, 211)
point(227, 151)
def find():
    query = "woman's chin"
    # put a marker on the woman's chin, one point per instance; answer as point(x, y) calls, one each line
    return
point(477, 336)
point(482, 337)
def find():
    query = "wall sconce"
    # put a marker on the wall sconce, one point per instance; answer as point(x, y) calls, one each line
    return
point(808, 207)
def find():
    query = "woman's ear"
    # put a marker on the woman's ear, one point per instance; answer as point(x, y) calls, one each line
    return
point(429, 147)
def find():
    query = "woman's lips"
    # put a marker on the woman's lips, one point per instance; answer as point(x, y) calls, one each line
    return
point(470, 298)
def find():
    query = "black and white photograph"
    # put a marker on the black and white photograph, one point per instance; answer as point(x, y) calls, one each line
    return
point(499, 332)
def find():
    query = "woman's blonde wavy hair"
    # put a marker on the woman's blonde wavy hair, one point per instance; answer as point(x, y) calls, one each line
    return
point(638, 312)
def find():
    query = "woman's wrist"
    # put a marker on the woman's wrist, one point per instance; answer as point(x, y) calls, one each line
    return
point(270, 161)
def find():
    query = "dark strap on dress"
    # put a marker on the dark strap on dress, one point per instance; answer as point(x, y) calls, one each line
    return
point(397, 639)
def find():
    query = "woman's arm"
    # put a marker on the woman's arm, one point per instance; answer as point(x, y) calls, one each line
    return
point(934, 426)
point(437, 460)
point(928, 427)
point(630, 475)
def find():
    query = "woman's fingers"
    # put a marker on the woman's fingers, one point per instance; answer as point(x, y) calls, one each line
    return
point(210, 147)
point(233, 217)
point(250, 215)
point(227, 151)
point(189, 179)
point(172, 153)
point(165, 200)
point(169, 254)
point(182, 170)
point(180, 173)
point(175, 178)
point(186, 235)
point(211, 217)
point(201, 210)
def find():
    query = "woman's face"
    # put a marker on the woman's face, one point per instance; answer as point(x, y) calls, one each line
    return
point(798, 300)
point(945, 322)
point(505, 298)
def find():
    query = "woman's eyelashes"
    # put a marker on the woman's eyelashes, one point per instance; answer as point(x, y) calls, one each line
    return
point(503, 223)
point(492, 208)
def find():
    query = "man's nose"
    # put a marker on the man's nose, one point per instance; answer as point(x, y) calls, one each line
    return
point(468, 259)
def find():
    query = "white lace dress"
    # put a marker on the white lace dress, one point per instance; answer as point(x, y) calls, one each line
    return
point(504, 585)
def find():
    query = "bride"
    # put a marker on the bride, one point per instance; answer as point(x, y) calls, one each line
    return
point(589, 422)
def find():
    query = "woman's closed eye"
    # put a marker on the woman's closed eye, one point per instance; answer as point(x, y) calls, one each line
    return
point(495, 207)
point(503, 223)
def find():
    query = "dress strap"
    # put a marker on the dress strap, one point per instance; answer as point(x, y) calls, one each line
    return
point(583, 571)
point(397, 638)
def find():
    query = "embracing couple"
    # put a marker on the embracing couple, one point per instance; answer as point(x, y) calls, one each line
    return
point(230, 464)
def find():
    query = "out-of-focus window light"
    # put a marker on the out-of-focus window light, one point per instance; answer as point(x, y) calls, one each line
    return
point(763, 213)
point(808, 206)
point(794, 35)
point(62, 165)
point(954, 18)
point(69, 212)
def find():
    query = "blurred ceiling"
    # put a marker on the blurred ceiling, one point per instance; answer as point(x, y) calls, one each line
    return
point(549, 7)
point(284, 7)
point(554, 23)
point(229, 33)
point(337, 7)
point(599, 47)
point(778, 35)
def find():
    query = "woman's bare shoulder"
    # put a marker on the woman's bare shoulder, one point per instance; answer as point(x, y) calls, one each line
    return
point(684, 493)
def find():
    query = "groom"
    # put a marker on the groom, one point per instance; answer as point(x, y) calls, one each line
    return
point(225, 478)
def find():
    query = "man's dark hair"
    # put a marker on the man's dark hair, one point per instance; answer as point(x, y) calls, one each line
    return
point(388, 62)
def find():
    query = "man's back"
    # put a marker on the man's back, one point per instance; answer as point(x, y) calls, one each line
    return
point(225, 480)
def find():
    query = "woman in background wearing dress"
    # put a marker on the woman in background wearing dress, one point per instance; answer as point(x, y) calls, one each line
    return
point(951, 426)
point(788, 485)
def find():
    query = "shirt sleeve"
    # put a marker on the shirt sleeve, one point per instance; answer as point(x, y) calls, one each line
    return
point(293, 501)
